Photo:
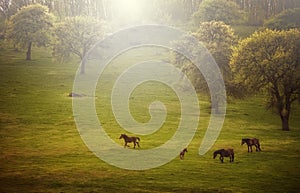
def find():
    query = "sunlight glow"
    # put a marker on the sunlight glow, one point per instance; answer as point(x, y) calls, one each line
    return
point(129, 10)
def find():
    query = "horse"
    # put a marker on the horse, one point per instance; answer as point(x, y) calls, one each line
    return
point(251, 142)
point(181, 155)
point(225, 153)
point(134, 140)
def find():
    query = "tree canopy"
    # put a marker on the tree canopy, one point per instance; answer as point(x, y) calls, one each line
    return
point(269, 61)
point(76, 35)
point(218, 38)
point(30, 25)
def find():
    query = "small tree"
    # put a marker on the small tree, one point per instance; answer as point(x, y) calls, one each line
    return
point(269, 61)
point(30, 25)
point(76, 36)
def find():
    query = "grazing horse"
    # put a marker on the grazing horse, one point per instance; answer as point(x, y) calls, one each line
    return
point(181, 155)
point(225, 153)
point(134, 140)
point(251, 142)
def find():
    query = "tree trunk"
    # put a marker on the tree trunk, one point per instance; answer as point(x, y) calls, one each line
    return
point(28, 54)
point(82, 67)
point(285, 115)
point(83, 61)
point(285, 123)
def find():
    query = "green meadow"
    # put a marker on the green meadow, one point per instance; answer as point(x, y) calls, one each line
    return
point(42, 151)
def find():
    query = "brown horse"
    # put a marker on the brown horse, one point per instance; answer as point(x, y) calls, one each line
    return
point(251, 142)
point(225, 153)
point(181, 155)
point(134, 140)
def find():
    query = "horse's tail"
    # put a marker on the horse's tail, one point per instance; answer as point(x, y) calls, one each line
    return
point(138, 139)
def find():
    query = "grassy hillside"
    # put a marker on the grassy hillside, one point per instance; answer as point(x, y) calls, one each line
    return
point(41, 149)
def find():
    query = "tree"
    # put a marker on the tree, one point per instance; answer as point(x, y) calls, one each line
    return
point(285, 20)
point(269, 61)
point(218, 38)
point(76, 35)
point(30, 25)
point(218, 10)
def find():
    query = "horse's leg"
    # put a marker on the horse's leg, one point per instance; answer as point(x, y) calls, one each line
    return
point(221, 158)
point(125, 144)
point(134, 143)
point(258, 145)
point(251, 147)
point(248, 148)
point(138, 143)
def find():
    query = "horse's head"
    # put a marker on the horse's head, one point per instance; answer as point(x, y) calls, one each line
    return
point(215, 154)
point(185, 149)
point(121, 136)
point(244, 140)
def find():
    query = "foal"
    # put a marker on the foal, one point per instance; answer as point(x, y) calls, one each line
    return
point(251, 142)
point(181, 155)
point(225, 153)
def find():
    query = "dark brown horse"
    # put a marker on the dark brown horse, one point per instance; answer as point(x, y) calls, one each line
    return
point(251, 142)
point(181, 155)
point(134, 140)
point(225, 153)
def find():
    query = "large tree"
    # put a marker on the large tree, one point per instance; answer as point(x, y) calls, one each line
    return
point(76, 35)
point(269, 61)
point(30, 25)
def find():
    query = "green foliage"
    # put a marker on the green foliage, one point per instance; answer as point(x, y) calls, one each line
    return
point(285, 20)
point(218, 38)
point(76, 35)
point(218, 10)
point(269, 61)
point(31, 24)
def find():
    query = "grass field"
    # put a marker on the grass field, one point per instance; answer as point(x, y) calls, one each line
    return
point(42, 151)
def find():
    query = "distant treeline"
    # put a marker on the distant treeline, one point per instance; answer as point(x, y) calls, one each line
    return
point(257, 10)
